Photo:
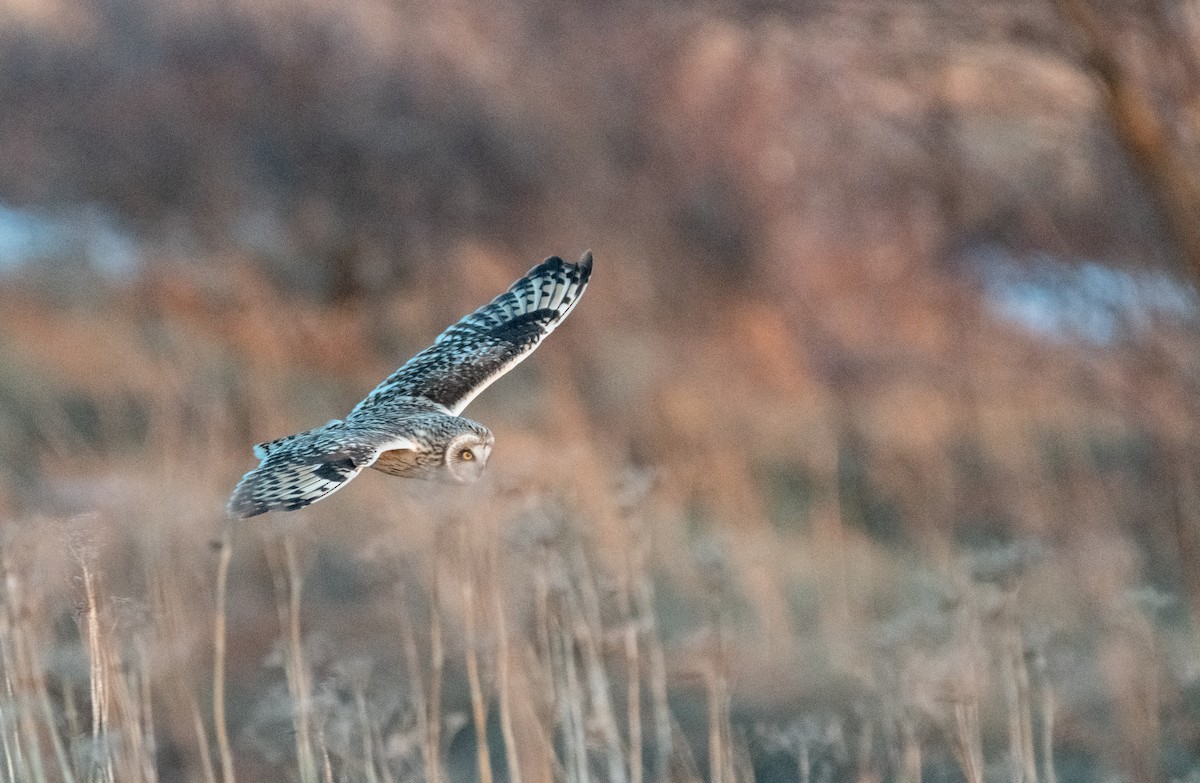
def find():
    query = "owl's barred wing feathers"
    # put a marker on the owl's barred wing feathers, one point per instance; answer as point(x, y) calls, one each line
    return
point(279, 485)
point(466, 358)
point(303, 468)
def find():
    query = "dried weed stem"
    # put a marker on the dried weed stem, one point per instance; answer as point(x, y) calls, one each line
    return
point(220, 724)
point(478, 706)
point(503, 655)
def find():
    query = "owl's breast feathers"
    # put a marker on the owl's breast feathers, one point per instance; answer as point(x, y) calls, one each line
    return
point(398, 462)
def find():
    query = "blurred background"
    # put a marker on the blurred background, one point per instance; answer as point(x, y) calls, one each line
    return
point(871, 454)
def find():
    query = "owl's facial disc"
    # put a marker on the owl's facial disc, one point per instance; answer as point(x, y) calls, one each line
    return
point(466, 457)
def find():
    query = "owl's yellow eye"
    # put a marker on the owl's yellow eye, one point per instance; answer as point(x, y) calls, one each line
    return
point(466, 455)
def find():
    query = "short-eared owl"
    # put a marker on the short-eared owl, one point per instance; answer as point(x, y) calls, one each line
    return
point(410, 424)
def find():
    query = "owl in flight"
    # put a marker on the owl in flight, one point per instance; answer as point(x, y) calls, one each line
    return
point(410, 424)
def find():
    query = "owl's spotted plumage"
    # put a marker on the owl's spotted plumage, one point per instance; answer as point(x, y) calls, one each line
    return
point(410, 424)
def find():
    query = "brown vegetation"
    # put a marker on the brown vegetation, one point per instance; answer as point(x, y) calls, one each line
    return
point(871, 454)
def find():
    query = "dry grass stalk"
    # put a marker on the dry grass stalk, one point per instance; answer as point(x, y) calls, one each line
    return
point(535, 683)
point(437, 663)
point(633, 696)
point(135, 740)
point(174, 633)
point(910, 750)
point(10, 733)
point(601, 703)
point(716, 747)
point(429, 752)
point(1016, 746)
point(634, 621)
point(7, 736)
point(60, 752)
point(588, 630)
point(19, 656)
point(742, 765)
point(105, 682)
point(298, 679)
point(365, 726)
point(385, 769)
point(569, 697)
point(542, 620)
point(868, 771)
point(539, 713)
point(97, 680)
point(684, 766)
point(148, 754)
point(206, 766)
point(289, 586)
point(965, 731)
point(1046, 703)
point(657, 673)
point(478, 705)
point(1025, 756)
point(966, 737)
point(720, 744)
point(326, 763)
point(503, 661)
point(24, 740)
point(184, 713)
point(72, 713)
point(220, 725)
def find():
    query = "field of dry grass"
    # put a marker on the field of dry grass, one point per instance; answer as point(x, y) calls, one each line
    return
point(737, 575)
point(870, 455)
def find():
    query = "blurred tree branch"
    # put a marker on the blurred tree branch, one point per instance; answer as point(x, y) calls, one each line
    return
point(1142, 122)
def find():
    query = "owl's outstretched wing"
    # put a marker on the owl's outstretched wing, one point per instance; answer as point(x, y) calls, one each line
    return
point(301, 469)
point(471, 354)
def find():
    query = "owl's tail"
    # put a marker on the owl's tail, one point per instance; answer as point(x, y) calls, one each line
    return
point(296, 471)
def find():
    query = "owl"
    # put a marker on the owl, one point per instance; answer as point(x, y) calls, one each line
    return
point(410, 425)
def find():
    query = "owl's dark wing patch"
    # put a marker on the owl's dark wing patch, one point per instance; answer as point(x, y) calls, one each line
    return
point(285, 483)
point(301, 469)
point(473, 353)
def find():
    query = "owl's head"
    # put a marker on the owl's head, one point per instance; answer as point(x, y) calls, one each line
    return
point(467, 454)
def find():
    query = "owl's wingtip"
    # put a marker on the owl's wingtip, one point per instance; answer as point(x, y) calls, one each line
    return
point(242, 507)
point(584, 264)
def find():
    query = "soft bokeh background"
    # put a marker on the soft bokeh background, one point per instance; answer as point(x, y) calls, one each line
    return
point(871, 454)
